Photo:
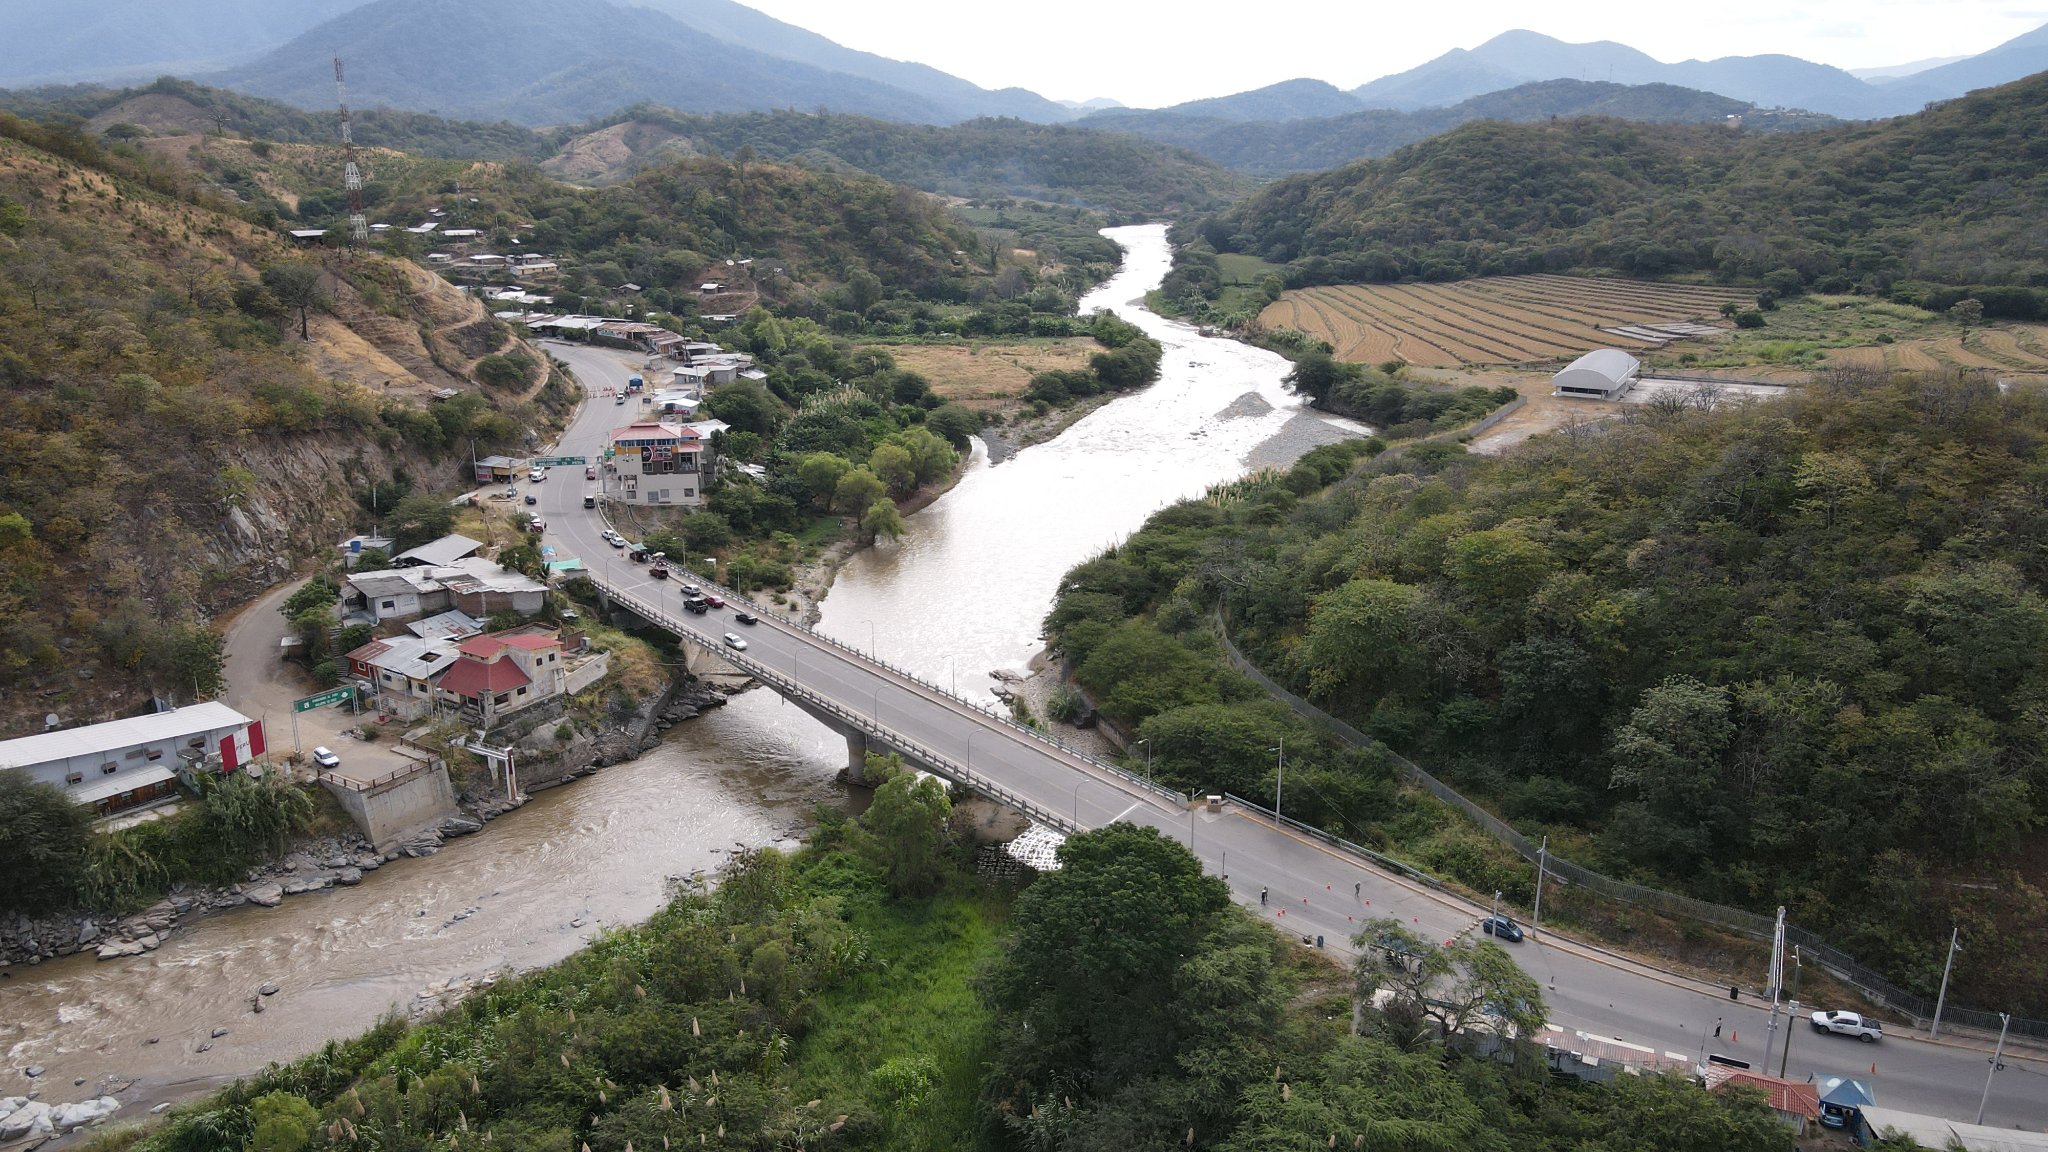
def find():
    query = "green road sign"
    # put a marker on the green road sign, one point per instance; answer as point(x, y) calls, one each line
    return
point(322, 699)
point(558, 461)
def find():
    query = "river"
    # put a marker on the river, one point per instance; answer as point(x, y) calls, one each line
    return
point(959, 595)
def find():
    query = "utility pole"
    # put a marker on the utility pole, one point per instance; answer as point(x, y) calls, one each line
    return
point(1542, 862)
point(1777, 979)
point(1942, 1000)
point(2004, 1022)
point(1786, 1057)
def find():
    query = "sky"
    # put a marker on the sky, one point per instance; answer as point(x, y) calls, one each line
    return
point(1151, 53)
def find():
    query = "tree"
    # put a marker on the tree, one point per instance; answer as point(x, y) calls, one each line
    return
point(43, 839)
point(746, 406)
point(908, 819)
point(418, 519)
point(955, 423)
point(931, 458)
point(1087, 981)
point(295, 284)
point(821, 473)
point(1967, 312)
point(891, 464)
point(1462, 988)
point(857, 491)
point(283, 1122)
point(882, 519)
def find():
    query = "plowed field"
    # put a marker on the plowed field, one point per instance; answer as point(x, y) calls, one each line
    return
point(1497, 320)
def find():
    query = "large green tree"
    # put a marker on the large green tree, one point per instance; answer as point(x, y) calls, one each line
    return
point(908, 821)
point(43, 838)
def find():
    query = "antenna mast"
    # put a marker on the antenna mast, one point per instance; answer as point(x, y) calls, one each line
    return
point(352, 177)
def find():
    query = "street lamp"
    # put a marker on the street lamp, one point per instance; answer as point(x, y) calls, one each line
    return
point(1148, 759)
point(1954, 946)
point(871, 638)
point(2004, 1022)
point(1077, 802)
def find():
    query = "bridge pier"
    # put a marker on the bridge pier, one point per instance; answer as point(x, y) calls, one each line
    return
point(857, 758)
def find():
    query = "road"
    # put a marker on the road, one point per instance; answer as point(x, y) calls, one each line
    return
point(1304, 886)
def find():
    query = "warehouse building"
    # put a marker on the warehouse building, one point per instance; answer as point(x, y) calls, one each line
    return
point(1602, 374)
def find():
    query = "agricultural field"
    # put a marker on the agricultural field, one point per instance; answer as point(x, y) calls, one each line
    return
point(990, 375)
point(1496, 320)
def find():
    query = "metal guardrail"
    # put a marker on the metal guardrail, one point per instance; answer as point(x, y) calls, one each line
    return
point(939, 763)
point(392, 778)
point(1398, 867)
point(1811, 947)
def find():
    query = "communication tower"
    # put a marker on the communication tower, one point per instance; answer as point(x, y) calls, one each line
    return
point(352, 177)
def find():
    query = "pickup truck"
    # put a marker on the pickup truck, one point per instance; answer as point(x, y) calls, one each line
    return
point(1849, 1024)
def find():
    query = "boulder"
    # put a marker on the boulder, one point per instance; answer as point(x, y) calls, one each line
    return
point(219, 1032)
point(87, 933)
point(31, 1119)
point(11, 1104)
point(269, 895)
point(268, 989)
point(369, 863)
point(32, 1071)
point(460, 826)
point(66, 1117)
point(119, 950)
point(349, 877)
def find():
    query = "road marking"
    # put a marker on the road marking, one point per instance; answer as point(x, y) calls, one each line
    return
point(1127, 812)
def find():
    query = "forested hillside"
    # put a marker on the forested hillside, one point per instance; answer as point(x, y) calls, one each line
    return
point(1135, 179)
point(1787, 654)
point(1278, 147)
point(187, 407)
point(1952, 195)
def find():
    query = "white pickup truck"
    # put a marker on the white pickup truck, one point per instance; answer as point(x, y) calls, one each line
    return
point(1849, 1024)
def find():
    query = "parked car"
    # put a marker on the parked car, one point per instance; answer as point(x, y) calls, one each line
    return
point(1849, 1024)
point(732, 641)
point(714, 601)
point(326, 758)
point(536, 525)
point(746, 617)
point(1501, 928)
point(537, 475)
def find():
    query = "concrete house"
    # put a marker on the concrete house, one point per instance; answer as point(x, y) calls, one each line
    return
point(661, 463)
point(498, 674)
point(399, 672)
point(122, 764)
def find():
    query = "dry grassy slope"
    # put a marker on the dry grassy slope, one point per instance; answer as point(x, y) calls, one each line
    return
point(612, 154)
point(161, 531)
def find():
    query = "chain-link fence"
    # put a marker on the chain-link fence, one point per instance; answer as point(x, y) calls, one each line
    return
point(1811, 947)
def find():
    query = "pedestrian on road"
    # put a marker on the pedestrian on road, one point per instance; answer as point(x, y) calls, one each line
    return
point(1262, 897)
point(1717, 1027)
point(1355, 887)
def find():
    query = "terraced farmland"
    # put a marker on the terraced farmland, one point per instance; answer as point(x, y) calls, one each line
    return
point(2020, 350)
point(1497, 320)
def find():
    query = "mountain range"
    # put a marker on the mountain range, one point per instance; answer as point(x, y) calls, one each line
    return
point(517, 60)
point(1520, 57)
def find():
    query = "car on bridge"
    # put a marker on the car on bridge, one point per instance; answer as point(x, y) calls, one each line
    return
point(691, 591)
point(695, 605)
point(713, 600)
point(1501, 928)
point(732, 641)
point(746, 617)
point(1849, 1024)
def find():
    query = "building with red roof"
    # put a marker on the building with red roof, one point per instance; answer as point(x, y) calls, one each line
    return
point(1796, 1102)
point(503, 672)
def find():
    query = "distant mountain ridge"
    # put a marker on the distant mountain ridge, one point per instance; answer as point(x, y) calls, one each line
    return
point(1283, 146)
point(1520, 57)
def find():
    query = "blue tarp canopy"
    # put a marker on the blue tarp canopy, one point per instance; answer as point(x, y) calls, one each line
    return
point(1844, 1092)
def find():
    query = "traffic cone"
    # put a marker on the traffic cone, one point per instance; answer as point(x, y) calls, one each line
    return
point(1734, 1037)
point(1281, 912)
point(1873, 1069)
point(1326, 887)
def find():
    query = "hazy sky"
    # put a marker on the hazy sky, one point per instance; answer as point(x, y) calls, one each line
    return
point(1149, 53)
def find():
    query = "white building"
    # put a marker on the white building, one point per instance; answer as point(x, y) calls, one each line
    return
point(1602, 374)
point(123, 763)
point(661, 463)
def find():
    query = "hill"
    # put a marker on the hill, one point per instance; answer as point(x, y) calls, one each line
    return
point(172, 443)
point(2018, 57)
point(1519, 56)
point(1068, 164)
point(1273, 148)
point(1948, 195)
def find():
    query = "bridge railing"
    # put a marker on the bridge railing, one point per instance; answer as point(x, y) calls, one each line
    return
point(1398, 867)
point(939, 763)
point(991, 715)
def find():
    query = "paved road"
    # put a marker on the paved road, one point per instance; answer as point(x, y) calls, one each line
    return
point(1307, 886)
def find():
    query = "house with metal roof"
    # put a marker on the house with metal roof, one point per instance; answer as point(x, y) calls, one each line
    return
point(1796, 1102)
point(122, 764)
point(1602, 374)
point(399, 672)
